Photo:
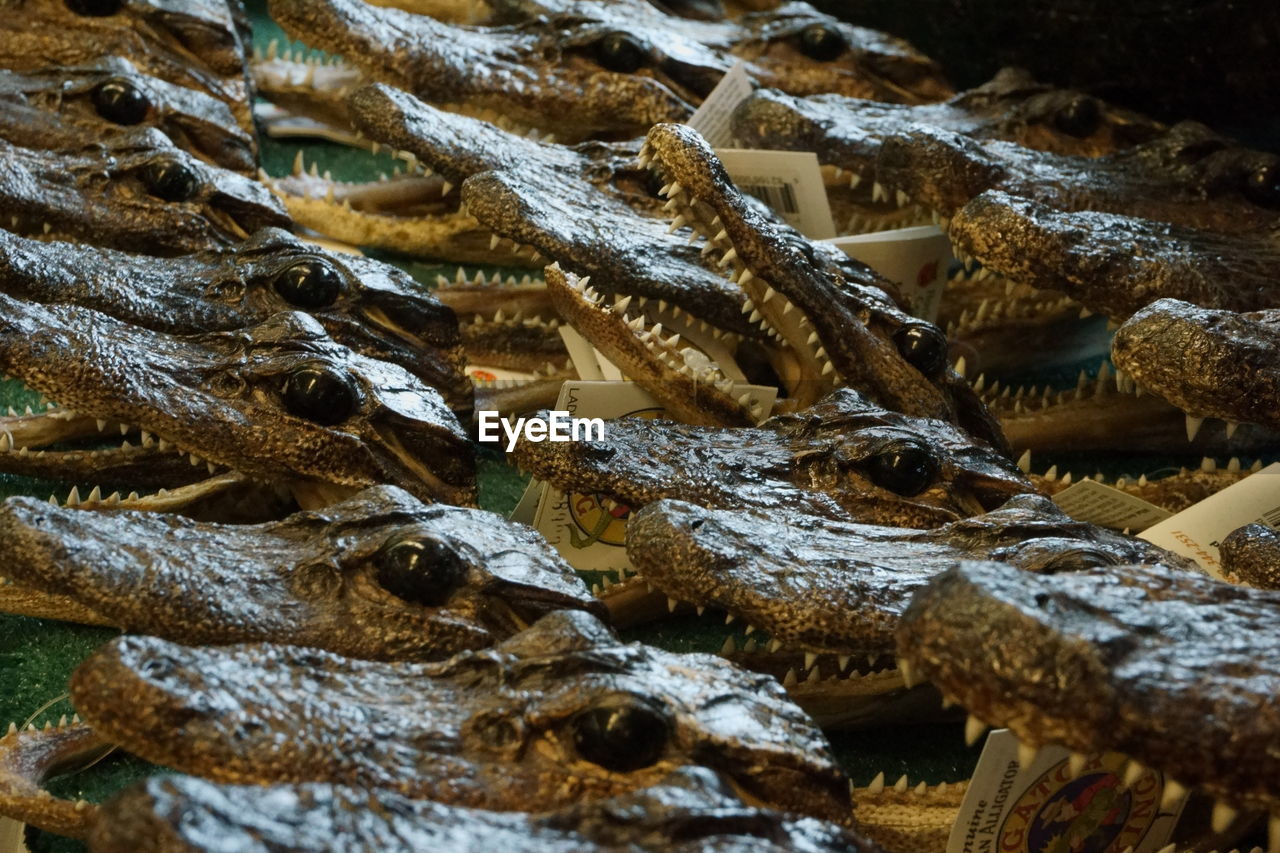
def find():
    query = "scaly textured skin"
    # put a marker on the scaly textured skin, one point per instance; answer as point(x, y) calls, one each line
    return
point(197, 44)
point(821, 460)
point(113, 194)
point(58, 108)
point(559, 714)
point(839, 588)
point(28, 758)
point(371, 307)
point(314, 579)
point(907, 819)
point(691, 810)
point(221, 397)
point(1252, 555)
point(1169, 667)
point(1207, 362)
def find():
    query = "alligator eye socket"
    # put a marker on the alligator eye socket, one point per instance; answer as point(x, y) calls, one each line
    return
point(319, 395)
point(95, 8)
point(419, 569)
point(1078, 118)
point(822, 42)
point(1076, 560)
point(309, 284)
point(903, 467)
point(121, 102)
point(621, 737)
point(620, 52)
point(171, 180)
point(924, 347)
point(1262, 186)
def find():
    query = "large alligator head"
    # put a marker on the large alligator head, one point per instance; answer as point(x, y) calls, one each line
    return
point(198, 44)
point(689, 811)
point(559, 714)
point(371, 307)
point(133, 191)
point(1172, 668)
point(278, 403)
point(842, 458)
point(74, 106)
point(379, 576)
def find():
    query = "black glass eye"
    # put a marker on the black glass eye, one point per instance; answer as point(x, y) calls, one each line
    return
point(1262, 186)
point(309, 284)
point(620, 52)
point(1078, 118)
point(171, 180)
point(120, 101)
point(319, 395)
point(822, 42)
point(419, 569)
point(903, 467)
point(622, 737)
point(95, 8)
point(924, 347)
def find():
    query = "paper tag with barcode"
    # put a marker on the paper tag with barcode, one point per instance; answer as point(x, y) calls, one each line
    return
point(915, 258)
point(790, 182)
point(1196, 531)
point(1044, 807)
point(1098, 503)
point(712, 118)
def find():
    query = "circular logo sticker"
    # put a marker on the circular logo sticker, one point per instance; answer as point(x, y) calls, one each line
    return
point(599, 520)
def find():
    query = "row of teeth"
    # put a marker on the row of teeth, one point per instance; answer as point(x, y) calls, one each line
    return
point(506, 244)
point(665, 310)
point(15, 222)
point(501, 317)
point(991, 311)
point(1207, 465)
point(903, 785)
point(550, 370)
point(298, 56)
point(461, 279)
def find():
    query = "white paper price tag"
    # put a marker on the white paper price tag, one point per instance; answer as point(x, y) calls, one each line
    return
point(1196, 531)
point(915, 258)
point(790, 182)
point(712, 118)
point(1098, 503)
point(1045, 807)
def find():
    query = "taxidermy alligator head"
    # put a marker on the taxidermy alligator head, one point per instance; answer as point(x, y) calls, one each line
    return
point(690, 810)
point(379, 575)
point(598, 70)
point(561, 713)
point(1172, 668)
point(191, 43)
point(278, 403)
point(371, 307)
point(843, 458)
point(59, 108)
point(133, 191)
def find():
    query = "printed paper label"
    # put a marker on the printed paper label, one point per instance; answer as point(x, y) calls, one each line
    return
point(1196, 531)
point(1098, 503)
point(1045, 808)
point(526, 509)
point(790, 182)
point(712, 118)
point(915, 258)
point(11, 832)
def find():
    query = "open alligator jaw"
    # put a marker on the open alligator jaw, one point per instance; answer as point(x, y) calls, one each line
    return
point(29, 757)
point(560, 713)
point(278, 403)
point(378, 576)
point(1172, 668)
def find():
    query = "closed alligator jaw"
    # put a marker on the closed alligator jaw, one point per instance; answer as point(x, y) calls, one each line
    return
point(312, 579)
point(492, 729)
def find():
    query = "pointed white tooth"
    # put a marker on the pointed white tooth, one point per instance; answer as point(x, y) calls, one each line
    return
point(1076, 763)
point(1132, 774)
point(790, 679)
point(95, 495)
point(1223, 815)
point(810, 658)
point(73, 499)
point(620, 305)
point(973, 729)
point(877, 784)
point(124, 429)
point(1024, 462)
point(1232, 426)
point(1172, 793)
point(729, 646)
point(901, 785)
point(1193, 427)
point(671, 604)
point(102, 424)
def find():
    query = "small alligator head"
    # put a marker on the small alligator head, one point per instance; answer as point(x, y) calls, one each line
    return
point(1172, 668)
point(561, 713)
point(373, 308)
point(689, 811)
point(379, 576)
point(74, 106)
point(1251, 554)
point(134, 191)
point(278, 402)
point(842, 458)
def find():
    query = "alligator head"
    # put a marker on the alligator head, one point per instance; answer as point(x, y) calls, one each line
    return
point(197, 44)
point(559, 714)
point(278, 402)
point(75, 106)
point(843, 458)
point(688, 811)
point(1172, 668)
point(378, 576)
point(133, 191)
point(1251, 554)
point(371, 307)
